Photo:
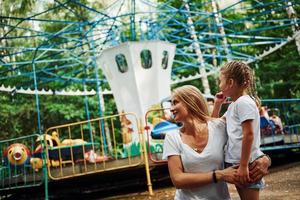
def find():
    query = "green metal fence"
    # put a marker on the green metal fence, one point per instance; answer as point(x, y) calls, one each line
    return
point(21, 166)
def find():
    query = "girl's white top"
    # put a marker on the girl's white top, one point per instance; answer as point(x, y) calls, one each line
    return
point(244, 108)
point(211, 158)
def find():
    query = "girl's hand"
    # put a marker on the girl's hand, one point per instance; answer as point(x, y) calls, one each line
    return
point(218, 101)
point(219, 98)
point(243, 173)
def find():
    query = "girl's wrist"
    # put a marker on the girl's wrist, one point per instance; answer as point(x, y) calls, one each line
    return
point(218, 103)
point(243, 165)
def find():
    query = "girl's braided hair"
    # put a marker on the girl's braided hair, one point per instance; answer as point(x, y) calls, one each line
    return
point(243, 75)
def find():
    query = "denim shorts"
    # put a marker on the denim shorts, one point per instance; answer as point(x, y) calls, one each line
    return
point(257, 185)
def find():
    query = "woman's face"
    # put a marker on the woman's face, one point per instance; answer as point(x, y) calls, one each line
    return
point(179, 110)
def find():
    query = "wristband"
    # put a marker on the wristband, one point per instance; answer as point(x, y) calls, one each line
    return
point(214, 177)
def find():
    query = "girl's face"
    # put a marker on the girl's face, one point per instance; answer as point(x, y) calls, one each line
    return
point(179, 110)
point(226, 86)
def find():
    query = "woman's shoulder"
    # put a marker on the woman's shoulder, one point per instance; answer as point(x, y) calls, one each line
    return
point(173, 134)
point(217, 126)
point(218, 122)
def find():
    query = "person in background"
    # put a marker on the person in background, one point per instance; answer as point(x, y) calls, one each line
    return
point(277, 121)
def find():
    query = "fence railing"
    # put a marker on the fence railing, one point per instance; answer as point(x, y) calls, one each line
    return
point(280, 123)
point(18, 169)
point(93, 146)
point(72, 150)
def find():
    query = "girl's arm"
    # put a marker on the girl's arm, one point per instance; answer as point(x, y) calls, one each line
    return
point(247, 141)
point(216, 110)
point(218, 101)
point(183, 180)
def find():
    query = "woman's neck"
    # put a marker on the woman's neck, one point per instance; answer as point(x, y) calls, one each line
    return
point(193, 127)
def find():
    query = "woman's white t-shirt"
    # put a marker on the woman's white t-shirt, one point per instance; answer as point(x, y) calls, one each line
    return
point(211, 158)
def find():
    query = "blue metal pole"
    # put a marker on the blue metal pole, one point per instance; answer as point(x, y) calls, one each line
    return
point(98, 92)
point(87, 111)
point(45, 174)
point(132, 21)
point(36, 99)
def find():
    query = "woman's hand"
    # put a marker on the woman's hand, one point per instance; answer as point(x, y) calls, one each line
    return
point(228, 175)
point(259, 168)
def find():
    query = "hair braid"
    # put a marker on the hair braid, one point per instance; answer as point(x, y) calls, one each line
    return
point(243, 75)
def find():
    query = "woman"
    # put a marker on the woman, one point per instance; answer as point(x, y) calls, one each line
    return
point(195, 153)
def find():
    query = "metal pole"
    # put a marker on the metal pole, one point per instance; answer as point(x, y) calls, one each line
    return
point(100, 99)
point(220, 27)
point(145, 153)
point(86, 105)
point(45, 174)
point(132, 21)
point(36, 98)
point(197, 49)
point(295, 26)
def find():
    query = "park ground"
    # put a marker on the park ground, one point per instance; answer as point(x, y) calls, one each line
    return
point(283, 182)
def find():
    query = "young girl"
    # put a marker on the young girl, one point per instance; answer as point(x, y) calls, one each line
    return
point(242, 119)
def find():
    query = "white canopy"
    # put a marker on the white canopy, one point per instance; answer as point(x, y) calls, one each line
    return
point(139, 86)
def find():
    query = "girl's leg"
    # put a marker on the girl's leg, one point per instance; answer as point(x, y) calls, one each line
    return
point(248, 194)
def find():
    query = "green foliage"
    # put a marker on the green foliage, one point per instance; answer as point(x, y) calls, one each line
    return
point(15, 116)
point(279, 74)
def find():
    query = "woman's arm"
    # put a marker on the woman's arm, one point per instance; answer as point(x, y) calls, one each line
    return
point(183, 180)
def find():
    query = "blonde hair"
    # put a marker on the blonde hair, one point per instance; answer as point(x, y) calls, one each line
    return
point(243, 75)
point(194, 101)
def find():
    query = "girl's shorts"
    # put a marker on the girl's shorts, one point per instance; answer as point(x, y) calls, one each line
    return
point(257, 185)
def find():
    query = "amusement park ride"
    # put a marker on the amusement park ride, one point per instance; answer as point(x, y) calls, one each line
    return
point(141, 48)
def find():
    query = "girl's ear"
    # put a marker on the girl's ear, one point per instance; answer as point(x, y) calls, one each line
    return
point(230, 82)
